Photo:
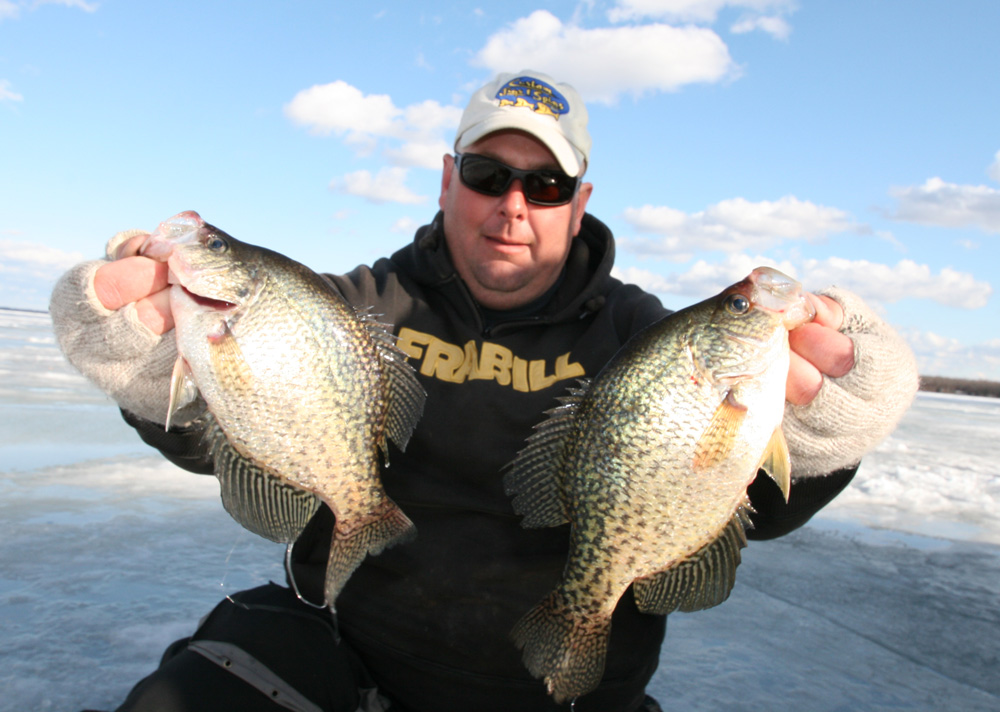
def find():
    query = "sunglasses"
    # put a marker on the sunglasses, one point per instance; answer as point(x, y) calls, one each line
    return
point(491, 177)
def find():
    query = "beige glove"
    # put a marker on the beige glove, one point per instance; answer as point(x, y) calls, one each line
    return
point(854, 413)
point(113, 349)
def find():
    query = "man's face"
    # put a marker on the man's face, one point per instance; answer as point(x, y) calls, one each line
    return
point(508, 251)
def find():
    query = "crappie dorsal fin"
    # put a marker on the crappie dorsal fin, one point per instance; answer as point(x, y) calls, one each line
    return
point(777, 462)
point(701, 581)
point(256, 499)
point(405, 394)
point(717, 441)
point(533, 477)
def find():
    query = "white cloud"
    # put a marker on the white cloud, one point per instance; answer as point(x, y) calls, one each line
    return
point(81, 4)
point(606, 63)
point(949, 205)
point(765, 15)
point(777, 27)
point(418, 154)
point(702, 279)
point(35, 259)
point(29, 270)
point(405, 226)
point(414, 133)
point(994, 169)
point(6, 93)
point(892, 283)
point(386, 186)
point(341, 108)
point(943, 356)
point(11, 10)
point(876, 283)
point(732, 225)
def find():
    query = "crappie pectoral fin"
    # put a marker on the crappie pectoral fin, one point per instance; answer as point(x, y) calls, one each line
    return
point(716, 442)
point(228, 362)
point(183, 390)
point(533, 477)
point(568, 656)
point(701, 581)
point(256, 499)
point(777, 463)
point(383, 527)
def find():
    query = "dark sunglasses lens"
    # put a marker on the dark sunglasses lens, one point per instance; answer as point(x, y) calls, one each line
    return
point(491, 177)
point(484, 175)
point(549, 188)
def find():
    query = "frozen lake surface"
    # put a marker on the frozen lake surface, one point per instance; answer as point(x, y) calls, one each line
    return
point(890, 600)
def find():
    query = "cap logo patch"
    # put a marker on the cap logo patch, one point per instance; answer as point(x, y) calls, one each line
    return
point(534, 94)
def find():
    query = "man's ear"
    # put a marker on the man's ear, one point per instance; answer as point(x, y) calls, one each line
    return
point(446, 173)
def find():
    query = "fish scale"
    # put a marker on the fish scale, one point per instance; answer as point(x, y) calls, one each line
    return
point(302, 391)
point(649, 463)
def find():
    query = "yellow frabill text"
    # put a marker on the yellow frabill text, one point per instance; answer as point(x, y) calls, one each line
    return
point(488, 361)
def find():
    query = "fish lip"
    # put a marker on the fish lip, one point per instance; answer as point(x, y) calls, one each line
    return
point(220, 305)
point(176, 277)
point(181, 229)
point(776, 292)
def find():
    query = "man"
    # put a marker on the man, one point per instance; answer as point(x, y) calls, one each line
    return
point(501, 303)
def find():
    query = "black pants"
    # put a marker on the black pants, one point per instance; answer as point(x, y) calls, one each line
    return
point(264, 650)
point(260, 650)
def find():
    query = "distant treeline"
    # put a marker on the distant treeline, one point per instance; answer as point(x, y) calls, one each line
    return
point(940, 384)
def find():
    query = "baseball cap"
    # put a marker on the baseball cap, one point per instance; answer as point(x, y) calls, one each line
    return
point(535, 103)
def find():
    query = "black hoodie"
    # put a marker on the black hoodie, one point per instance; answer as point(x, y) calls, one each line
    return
point(431, 618)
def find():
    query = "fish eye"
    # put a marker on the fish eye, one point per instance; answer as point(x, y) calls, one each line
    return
point(737, 304)
point(216, 244)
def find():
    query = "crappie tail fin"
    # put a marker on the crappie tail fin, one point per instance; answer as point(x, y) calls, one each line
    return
point(568, 654)
point(383, 527)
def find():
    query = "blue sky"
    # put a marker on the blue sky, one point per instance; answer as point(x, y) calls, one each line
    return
point(846, 142)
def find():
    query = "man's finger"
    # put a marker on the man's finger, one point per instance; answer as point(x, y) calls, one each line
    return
point(128, 280)
point(804, 381)
point(831, 352)
point(130, 248)
point(828, 312)
point(154, 311)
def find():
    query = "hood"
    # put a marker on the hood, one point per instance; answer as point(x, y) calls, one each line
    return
point(580, 293)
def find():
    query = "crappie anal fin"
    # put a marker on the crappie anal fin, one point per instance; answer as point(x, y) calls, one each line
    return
point(382, 528)
point(717, 441)
point(777, 463)
point(533, 477)
point(256, 499)
point(701, 581)
point(183, 389)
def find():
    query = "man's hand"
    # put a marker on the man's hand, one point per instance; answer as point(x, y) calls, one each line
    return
point(818, 349)
point(132, 278)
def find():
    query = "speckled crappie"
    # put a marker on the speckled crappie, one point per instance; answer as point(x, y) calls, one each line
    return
point(650, 463)
point(301, 390)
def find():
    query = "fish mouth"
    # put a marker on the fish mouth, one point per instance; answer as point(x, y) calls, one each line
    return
point(202, 300)
point(779, 293)
point(208, 302)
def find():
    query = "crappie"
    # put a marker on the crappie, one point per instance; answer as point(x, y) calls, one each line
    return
point(650, 464)
point(301, 391)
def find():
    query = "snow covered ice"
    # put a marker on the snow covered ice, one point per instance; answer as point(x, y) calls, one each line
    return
point(888, 600)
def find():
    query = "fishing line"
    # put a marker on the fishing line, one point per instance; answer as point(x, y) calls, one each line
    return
point(225, 572)
point(291, 577)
